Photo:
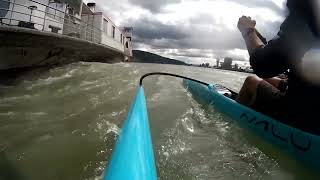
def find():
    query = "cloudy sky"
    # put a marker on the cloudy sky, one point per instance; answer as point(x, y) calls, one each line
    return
point(194, 31)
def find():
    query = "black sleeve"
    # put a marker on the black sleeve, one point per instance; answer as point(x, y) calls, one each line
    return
point(270, 60)
point(286, 50)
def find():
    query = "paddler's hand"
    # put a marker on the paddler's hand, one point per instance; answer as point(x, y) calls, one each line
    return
point(246, 24)
point(249, 33)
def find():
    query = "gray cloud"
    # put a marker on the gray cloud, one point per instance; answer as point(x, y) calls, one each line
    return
point(197, 37)
point(154, 6)
point(267, 28)
point(202, 38)
point(214, 39)
point(192, 54)
point(201, 19)
point(207, 34)
point(152, 29)
point(203, 32)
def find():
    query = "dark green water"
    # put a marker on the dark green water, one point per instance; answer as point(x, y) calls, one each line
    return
point(62, 124)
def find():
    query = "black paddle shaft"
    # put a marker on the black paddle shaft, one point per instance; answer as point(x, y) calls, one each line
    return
point(178, 76)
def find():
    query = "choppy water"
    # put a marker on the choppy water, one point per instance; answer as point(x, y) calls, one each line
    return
point(62, 124)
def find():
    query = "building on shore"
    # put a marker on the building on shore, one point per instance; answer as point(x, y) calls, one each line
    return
point(77, 31)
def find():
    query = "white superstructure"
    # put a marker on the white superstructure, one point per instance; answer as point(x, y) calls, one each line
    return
point(79, 20)
point(101, 29)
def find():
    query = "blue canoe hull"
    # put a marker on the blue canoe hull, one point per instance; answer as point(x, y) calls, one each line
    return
point(299, 144)
point(133, 158)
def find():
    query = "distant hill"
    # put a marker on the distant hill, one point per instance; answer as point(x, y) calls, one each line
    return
point(146, 57)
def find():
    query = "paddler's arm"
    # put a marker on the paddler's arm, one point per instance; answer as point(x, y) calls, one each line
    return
point(247, 28)
point(266, 60)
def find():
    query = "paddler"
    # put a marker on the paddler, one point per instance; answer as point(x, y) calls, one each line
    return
point(295, 101)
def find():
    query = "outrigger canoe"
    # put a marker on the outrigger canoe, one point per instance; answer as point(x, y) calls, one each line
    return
point(299, 144)
point(133, 158)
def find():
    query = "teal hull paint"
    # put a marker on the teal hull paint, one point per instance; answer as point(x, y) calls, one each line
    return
point(133, 157)
point(299, 144)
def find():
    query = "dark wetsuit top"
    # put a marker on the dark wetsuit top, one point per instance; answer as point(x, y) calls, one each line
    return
point(297, 36)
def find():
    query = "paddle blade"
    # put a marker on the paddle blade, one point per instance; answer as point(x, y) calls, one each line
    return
point(133, 156)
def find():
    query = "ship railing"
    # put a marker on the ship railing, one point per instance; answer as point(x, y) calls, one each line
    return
point(62, 21)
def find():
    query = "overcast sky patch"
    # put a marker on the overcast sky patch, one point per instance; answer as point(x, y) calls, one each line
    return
point(194, 30)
